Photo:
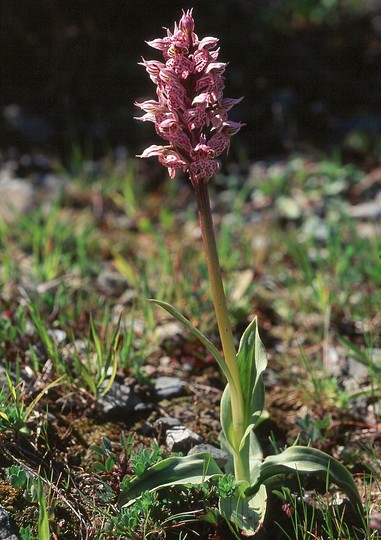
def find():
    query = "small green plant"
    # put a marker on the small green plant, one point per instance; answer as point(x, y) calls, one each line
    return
point(26, 533)
point(15, 414)
point(17, 476)
point(191, 115)
point(323, 517)
point(98, 369)
point(302, 515)
point(142, 459)
point(34, 491)
point(312, 430)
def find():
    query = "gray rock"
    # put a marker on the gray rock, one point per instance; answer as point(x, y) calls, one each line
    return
point(58, 335)
point(168, 387)
point(111, 282)
point(220, 456)
point(16, 197)
point(357, 371)
point(166, 422)
point(180, 439)
point(119, 401)
point(7, 528)
point(171, 331)
point(359, 374)
point(333, 363)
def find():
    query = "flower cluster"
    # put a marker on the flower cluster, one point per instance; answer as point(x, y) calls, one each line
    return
point(191, 112)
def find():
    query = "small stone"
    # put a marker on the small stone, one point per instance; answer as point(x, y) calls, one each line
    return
point(220, 456)
point(7, 528)
point(111, 282)
point(143, 407)
point(168, 387)
point(333, 364)
point(119, 401)
point(16, 197)
point(58, 335)
point(172, 332)
point(357, 371)
point(180, 439)
point(166, 422)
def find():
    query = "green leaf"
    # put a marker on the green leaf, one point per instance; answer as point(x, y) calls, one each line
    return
point(226, 419)
point(194, 469)
point(252, 362)
point(199, 335)
point(43, 520)
point(111, 359)
point(247, 513)
point(305, 460)
point(33, 404)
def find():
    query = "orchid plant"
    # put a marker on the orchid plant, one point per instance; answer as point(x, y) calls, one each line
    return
point(191, 115)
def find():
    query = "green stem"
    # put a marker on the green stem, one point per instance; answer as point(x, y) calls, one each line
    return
point(224, 326)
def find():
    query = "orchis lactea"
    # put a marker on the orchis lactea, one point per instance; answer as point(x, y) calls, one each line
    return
point(191, 112)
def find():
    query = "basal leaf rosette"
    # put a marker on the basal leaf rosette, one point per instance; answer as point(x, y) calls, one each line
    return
point(190, 113)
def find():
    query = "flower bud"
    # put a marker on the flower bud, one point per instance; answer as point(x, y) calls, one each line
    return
point(186, 23)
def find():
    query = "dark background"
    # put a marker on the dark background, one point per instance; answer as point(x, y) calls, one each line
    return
point(310, 71)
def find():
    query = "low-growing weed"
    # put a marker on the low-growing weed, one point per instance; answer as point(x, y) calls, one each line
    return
point(33, 490)
point(15, 414)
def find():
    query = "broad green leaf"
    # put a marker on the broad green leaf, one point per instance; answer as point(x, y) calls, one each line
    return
point(194, 469)
point(305, 460)
point(199, 335)
point(252, 361)
point(247, 513)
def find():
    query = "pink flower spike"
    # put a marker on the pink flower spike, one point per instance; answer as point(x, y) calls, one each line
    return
point(190, 113)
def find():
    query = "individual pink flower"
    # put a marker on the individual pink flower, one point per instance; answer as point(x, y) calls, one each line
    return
point(190, 113)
